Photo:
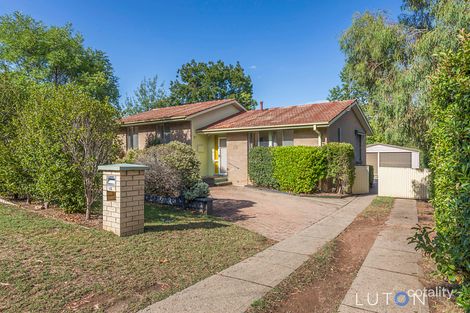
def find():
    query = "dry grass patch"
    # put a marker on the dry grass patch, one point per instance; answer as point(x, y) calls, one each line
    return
point(51, 266)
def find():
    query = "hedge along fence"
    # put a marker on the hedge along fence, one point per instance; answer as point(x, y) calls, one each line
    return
point(299, 169)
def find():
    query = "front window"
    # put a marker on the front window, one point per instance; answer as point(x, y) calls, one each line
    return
point(264, 139)
point(253, 139)
point(358, 147)
point(288, 137)
point(132, 138)
point(275, 138)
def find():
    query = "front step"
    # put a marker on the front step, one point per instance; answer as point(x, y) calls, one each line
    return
point(213, 181)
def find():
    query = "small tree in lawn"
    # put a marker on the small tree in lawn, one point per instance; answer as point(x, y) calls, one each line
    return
point(88, 134)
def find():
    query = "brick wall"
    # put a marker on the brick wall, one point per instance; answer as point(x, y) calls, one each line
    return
point(237, 158)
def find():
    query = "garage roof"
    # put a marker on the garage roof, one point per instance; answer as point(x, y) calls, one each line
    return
point(392, 146)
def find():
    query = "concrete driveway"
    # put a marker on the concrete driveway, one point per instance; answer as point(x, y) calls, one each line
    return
point(273, 215)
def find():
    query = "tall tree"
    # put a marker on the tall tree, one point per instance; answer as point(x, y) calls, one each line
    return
point(200, 81)
point(87, 134)
point(388, 65)
point(375, 53)
point(54, 54)
point(149, 95)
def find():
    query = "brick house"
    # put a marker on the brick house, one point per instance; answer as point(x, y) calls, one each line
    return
point(222, 131)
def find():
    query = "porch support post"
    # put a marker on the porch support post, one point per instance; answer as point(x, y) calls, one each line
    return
point(318, 133)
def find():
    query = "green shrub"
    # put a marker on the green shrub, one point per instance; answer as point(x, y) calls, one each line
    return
point(129, 156)
point(198, 190)
point(298, 169)
point(450, 164)
point(261, 168)
point(340, 165)
point(173, 169)
point(40, 151)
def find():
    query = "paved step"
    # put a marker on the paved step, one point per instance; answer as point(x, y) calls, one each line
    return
point(234, 289)
point(217, 181)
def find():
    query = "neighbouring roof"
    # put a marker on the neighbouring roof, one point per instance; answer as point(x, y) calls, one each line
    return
point(175, 112)
point(307, 114)
point(392, 146)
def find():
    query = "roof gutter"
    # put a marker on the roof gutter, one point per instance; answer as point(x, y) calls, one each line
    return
point(166, 120)
point(261, 128)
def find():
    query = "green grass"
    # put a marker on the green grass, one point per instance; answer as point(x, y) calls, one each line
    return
point(50, 266)
point(379, 208)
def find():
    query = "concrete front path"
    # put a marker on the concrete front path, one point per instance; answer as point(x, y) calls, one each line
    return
point(234, 289)
point(274, 215)
point(390, 267)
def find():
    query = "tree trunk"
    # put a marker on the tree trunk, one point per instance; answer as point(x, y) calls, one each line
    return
point(28, 199)
point(88, 207)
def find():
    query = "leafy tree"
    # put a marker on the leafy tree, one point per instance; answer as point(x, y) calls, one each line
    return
point(54, 54)
point(148, 96)
point(87, 131)
point(39, 154)
point(387, 65)
point(375, 53)
point(199, 81)
point(14, 93)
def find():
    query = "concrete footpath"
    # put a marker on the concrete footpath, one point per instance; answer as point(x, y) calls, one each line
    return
point(388, 279)
point(234, 289)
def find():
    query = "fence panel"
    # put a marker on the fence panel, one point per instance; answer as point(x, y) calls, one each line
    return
point(400, 182)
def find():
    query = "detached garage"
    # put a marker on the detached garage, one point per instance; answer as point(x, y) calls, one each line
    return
point(384, 155)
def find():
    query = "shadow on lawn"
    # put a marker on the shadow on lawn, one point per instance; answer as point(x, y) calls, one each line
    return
point(183, 226)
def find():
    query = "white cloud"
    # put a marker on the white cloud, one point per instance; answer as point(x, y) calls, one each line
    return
point(253, 67)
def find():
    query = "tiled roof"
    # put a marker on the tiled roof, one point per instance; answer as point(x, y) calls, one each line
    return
point(179, 111)
point(293, 115)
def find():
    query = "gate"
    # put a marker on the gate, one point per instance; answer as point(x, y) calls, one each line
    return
point(399, 182)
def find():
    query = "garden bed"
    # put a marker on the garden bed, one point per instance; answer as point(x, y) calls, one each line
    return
point(52, 266)
point(202, 205)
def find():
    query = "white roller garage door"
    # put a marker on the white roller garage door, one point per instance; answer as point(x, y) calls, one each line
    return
point(395, 159)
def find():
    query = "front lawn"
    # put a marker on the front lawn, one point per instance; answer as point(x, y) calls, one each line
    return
point(50, 266)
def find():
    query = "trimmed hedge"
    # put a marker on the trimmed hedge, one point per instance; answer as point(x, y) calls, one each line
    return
point(299, 169)
point(340, 160)
point(261, 167)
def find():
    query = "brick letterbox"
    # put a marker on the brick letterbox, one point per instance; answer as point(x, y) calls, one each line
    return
point(123, 198)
